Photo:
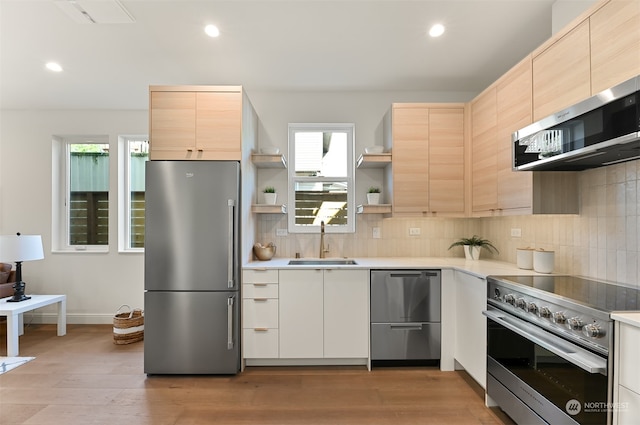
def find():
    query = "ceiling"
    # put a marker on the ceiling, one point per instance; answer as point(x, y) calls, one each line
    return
point(300, 45)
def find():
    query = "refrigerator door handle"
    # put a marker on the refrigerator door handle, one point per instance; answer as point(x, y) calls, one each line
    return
point(230, 302)
point(230, 239)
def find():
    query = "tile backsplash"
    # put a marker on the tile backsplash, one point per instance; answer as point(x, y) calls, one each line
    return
point(601, 242)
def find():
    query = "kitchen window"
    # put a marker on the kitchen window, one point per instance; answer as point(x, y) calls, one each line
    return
point(81, 219)
point(321, 178)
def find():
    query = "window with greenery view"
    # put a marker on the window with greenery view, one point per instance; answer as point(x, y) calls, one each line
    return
point(88, 193)
point(134, 153)
point(321, 178)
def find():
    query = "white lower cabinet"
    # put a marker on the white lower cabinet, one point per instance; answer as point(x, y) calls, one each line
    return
point(260, 314)
point(324, 313)
point(471, 326)
point(298, 315)
point(301, 311)
point(626, 408)
point(346, 313)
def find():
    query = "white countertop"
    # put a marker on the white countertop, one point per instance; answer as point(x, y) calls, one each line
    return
point(480, 268)
point(630, 318)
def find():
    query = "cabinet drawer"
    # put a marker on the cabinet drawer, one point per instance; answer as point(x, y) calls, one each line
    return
point(405, 341)
point(260, 290)
point(259, 313)
point(260, 276)
point(629, 345)
point(260, 344)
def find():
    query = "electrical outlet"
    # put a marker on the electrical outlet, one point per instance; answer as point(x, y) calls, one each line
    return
point(376, 233)
point(414, 231)
point(281, 232)
point(516, 232)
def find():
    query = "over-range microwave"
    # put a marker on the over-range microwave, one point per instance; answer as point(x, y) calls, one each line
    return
point(599, 131)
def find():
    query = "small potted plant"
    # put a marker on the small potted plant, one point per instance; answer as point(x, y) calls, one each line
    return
point(473, 245)
point(373, 196)
point(269, 195)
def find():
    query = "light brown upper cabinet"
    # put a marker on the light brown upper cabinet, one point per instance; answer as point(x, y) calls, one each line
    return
point(562, 72)
point(514, 100)
point(484, 152)
point(427, 166)
point(446, 160)
point(615, 44)
point(496, 189)
point(195, 122)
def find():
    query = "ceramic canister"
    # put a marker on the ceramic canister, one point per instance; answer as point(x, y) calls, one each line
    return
point(524, 258)
point(543, 261)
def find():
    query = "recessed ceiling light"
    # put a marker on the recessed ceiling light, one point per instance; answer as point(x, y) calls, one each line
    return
point(212, 30)
point(437, 30)
point(54, 66)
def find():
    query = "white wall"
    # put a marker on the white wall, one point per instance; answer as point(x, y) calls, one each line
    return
point(97, 284)
point(366, 109)
point(564, 11)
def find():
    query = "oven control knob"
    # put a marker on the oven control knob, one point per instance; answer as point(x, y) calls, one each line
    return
point(559, 317)
point(544, 312)
point(592, 330)
point(510, 299)
point(532, 308)
point(574, 323)
point(521, 303)
point(496, 293)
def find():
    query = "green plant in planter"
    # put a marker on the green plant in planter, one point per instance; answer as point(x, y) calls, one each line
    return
point(269, 189)
point(374, 189)
point(475, 241)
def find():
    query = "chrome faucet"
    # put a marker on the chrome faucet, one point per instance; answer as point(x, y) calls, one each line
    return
point(322, 248)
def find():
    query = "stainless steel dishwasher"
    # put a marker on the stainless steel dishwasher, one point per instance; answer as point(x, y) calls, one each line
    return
point(405, 315)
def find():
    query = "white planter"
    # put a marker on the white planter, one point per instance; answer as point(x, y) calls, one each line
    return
point(373, 198)
point(269, 198)
point(472, 252)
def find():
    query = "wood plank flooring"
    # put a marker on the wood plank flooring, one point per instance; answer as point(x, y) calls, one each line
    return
point(83, 378)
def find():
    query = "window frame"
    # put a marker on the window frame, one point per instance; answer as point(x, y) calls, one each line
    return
point(348, 128)
point(124, 192)
point(61, 189)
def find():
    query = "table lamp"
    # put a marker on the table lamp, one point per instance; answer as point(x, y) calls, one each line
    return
point(19, 248)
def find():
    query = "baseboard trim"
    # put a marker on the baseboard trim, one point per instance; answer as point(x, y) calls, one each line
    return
point(72, 318)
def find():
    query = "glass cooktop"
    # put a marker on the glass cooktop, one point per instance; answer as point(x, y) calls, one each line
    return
point(596, 294)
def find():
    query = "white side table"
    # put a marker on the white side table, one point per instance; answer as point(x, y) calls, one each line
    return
point(15, 325)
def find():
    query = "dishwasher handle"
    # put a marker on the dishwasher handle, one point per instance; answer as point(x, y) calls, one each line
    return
point(413, 274)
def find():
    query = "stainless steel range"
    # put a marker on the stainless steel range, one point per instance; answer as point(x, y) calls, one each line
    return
point(549, 341)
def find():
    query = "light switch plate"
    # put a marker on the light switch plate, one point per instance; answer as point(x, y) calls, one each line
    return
point(376, 233)
point(281, 232)
point(516, 232)
point(414, 231)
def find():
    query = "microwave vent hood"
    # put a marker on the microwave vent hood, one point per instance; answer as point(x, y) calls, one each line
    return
point(599, 131)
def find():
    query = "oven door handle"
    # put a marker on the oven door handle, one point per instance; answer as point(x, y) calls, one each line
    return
point(580, 357)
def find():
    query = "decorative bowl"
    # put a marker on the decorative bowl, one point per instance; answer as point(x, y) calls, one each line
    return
point(270, 150)
point(373, 149)
point(264, 253)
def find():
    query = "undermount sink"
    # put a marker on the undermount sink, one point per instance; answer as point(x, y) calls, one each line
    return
point(321, 262)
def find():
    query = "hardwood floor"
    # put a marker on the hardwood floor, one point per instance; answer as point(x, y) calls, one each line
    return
point(83, 378)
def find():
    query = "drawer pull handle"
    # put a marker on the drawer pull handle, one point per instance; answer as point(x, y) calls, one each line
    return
point(260, 329)
point(260, 299)
point(259, 284)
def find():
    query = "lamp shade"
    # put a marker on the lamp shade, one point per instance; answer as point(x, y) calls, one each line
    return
point(14, 248)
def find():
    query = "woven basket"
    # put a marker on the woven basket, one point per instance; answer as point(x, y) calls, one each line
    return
point(128, 327)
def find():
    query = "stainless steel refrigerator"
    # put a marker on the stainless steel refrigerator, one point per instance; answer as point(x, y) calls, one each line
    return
point(191, 268)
